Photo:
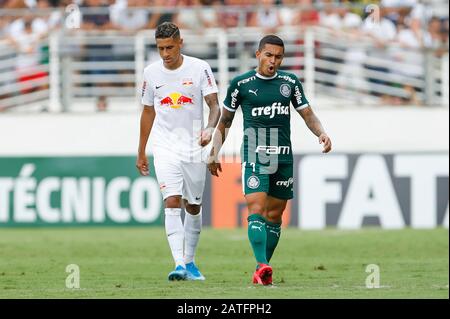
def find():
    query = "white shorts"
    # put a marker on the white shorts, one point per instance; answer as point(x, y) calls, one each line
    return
point(180, 178)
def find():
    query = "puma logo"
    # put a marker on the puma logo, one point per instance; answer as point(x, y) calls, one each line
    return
point(256, 227)
point(254, 92)
point(276, 233)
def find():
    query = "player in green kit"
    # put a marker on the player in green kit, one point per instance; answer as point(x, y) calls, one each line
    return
point(265, 96)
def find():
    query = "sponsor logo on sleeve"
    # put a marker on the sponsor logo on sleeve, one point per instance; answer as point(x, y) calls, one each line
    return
point(234, 98)
point(298, 95)
point(208, 78)
point(144, 86)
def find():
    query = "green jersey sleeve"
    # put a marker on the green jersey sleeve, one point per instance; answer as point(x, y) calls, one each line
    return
point(233, 99)
point(298, 99)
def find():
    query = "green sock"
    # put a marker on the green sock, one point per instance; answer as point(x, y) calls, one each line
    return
point(273, 231)
point(258, 237)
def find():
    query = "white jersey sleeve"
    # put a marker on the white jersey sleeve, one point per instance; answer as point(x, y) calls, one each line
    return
point(208, 82)
point(147, 91)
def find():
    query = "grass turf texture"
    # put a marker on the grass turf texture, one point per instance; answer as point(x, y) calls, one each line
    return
point(134, 263)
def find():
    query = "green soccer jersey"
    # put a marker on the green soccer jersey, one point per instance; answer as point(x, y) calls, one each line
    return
point(265, 104)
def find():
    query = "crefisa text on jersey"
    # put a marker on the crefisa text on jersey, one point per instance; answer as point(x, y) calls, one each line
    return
point(232, 308)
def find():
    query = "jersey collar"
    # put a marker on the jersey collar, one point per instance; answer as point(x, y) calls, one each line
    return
point(181, 67)
point(262, 77)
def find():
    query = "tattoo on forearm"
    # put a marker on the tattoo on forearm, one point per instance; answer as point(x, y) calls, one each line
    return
point(227, 119)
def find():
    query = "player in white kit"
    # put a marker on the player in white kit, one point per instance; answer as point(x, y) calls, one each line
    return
point(172, 94)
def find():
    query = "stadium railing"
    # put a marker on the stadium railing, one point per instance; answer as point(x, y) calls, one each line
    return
point(21, 85)
point(83, 64)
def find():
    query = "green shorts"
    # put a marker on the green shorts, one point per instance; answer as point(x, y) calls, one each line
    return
point(276, 181)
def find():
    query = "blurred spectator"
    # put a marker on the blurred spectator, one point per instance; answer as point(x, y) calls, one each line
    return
point(340, 18)
point(288, 11)
point(308, 15)
point(359, 7)
point(195, 15)
point(38, 25)
point(382, 33)
point(351, 22)
point(411, 59)
point(126, 16)
point(197, 18)
point(4, 26)
point(160, 13)
point(395, 9)
point(209, 13)
point(328, 16)
point(54, 19)
point(436, 37)
point(18, 4)
point(229, 16)
point(266, 17)
point(304, 16)
point(26, 40)
point(95, 21)
point(352, 69)
point(420, 15)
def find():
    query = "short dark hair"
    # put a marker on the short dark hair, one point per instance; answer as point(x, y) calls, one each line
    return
point(270, 39)
point(167, 30)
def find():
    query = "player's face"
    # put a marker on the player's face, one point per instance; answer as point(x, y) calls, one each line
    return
point(170, 51)
point(270, 58)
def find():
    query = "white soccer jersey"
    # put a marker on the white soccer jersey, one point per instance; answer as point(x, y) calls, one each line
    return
point(177, 96)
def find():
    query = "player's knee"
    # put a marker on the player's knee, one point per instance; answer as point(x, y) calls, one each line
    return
point(173, 202)
point(256, 209)
point(274, 216)
point(193, 209)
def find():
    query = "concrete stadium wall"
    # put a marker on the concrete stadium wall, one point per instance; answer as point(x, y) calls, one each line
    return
point(351, 129)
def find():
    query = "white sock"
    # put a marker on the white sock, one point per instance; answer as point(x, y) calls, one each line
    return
point(192, 229)
point(175, 234)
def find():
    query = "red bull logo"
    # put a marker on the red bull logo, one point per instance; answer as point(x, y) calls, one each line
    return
point(176, 100)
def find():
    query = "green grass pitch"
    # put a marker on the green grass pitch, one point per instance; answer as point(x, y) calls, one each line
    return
point(134, 262)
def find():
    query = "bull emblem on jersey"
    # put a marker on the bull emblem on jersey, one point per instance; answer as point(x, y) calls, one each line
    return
point(176, 100)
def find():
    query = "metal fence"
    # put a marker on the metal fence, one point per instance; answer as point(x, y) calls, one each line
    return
point(79, 64)
point(22, 82)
